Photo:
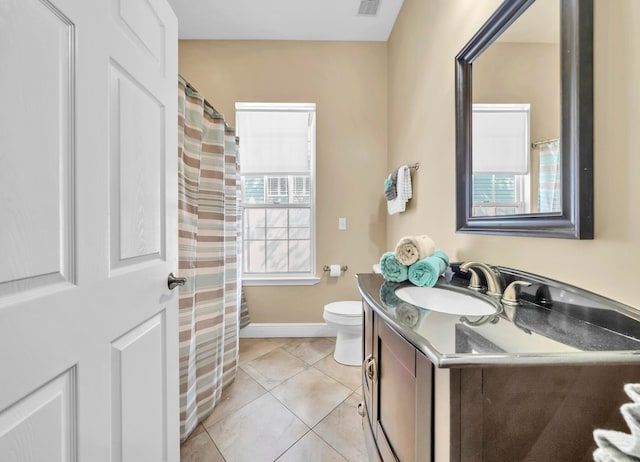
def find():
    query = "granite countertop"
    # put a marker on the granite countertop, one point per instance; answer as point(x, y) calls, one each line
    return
point(555, 324)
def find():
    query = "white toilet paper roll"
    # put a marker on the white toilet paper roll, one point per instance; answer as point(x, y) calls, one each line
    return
point(335, 271)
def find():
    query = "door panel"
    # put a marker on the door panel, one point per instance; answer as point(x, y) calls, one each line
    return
point(397, 393)
point(37, 211)
point(46, 416)
point(141, 22)
point(137, 171)
point(139, 405)
point(402, 398)
point(88, 196)
point(424, 410)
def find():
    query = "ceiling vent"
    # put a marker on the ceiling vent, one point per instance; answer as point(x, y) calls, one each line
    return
point(368, 7)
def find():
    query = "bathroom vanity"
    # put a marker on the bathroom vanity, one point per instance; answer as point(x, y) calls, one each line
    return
point(528, 382)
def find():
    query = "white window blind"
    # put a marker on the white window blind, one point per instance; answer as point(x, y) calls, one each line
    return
point(500, 138)
point(275, 141)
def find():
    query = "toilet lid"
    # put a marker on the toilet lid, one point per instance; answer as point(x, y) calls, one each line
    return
point(344, 308)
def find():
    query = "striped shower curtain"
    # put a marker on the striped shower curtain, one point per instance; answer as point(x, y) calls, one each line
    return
point(211, 308)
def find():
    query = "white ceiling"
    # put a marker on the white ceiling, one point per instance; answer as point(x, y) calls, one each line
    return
point(283, 20)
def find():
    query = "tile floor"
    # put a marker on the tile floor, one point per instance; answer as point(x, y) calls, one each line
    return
point(290, 402)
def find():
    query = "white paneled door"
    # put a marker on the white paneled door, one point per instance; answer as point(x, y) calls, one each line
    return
point(88, 204)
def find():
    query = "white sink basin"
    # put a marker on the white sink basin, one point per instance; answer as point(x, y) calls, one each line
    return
point(446, 301)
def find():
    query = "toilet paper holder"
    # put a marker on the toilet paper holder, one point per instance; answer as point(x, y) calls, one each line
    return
point(342, 268)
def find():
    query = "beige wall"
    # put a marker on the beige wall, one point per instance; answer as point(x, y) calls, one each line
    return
point(421, 52)
point(348, 83)
point(510, 72)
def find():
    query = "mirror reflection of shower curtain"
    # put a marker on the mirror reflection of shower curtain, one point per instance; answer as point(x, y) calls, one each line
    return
point(549, 180)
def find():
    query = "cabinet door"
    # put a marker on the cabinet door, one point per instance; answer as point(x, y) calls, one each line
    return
point(367, 352)
point(402, 398)
point(545, 413)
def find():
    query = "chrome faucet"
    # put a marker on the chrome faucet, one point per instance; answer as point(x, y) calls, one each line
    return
point(492, 276)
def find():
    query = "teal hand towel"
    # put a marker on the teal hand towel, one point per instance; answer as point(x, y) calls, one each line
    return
point(392, 269)
point(425, 272)
point(443, 256)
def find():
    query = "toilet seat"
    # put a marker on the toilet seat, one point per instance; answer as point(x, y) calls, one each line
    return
point(346, 313)
point(344, 308)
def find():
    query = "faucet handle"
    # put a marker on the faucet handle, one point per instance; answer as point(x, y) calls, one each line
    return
point(510, 295)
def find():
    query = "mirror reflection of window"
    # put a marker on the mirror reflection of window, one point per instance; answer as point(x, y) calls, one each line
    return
point(523, 66)
point(501, 148)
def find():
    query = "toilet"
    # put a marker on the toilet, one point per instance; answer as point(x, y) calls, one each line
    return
point(346, 318)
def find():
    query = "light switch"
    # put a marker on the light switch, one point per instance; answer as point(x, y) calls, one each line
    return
point(342, 224)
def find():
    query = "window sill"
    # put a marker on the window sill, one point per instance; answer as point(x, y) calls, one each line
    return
point(284, 281)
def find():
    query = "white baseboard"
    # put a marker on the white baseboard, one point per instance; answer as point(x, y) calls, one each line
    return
point(272, 330)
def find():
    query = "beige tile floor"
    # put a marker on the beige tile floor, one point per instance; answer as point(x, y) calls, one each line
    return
point(290, 402)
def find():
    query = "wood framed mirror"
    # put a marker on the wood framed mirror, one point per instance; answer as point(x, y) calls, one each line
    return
point(518, 197)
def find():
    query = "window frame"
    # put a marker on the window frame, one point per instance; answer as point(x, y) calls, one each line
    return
point(288, 278)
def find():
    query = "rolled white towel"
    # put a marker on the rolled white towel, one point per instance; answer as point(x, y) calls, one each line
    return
point(410, 249)
point(407, 314)
point(633, 391)
point(611, 455)
point(623, 445)
point(619, 446)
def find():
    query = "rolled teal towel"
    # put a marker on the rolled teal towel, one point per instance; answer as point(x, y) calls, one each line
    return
point(388, 295)
point(392, 269)
point(425, 272)
point(443, 256)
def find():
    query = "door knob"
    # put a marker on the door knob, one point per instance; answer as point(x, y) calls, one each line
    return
point(173, 281)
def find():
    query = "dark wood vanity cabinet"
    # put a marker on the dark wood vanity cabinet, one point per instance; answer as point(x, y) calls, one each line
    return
point(397, 391)
point(491, 413)
point(536, 413)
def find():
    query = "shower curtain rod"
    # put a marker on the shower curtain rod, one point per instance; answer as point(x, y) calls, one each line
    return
point(538, 143)
point(192, 88)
